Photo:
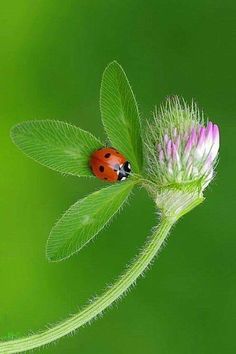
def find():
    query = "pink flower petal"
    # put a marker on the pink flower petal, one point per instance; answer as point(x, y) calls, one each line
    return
point(161, 156)
point(169, 149)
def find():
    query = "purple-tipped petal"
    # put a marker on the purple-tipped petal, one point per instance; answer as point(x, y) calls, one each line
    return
point(209, 135)
point(201, 135)
point(216, 133)
point(161, 156)
point(175, 156)
point(200, 148)
point(168, 149)
point(177, 142)
point(174, 150)
point(189, 145)
point(187, 149)
point(216, 142)
point(166, 138)
point(209, 128)
point(194, 136)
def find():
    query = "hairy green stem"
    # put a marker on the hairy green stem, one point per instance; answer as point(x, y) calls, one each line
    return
point(99, 304)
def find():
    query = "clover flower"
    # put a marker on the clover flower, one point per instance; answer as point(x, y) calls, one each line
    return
point(182, 149)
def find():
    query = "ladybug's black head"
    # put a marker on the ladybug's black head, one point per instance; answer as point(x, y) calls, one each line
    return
point(124, 171)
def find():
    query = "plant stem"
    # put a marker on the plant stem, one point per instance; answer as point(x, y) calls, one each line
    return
point(99, 304)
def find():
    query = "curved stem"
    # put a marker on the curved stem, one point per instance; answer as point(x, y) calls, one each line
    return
point(99, 304)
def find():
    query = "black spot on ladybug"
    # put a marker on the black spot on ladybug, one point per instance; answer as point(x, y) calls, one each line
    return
point(107, 155)
point(105, 177)
point(101, 168)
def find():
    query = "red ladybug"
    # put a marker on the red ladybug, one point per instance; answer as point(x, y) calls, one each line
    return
point(110, 165)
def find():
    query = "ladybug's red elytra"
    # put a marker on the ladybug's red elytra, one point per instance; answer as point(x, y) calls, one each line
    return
point(109, 164)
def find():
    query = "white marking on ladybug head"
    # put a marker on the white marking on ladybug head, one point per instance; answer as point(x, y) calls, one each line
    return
point(123, 178)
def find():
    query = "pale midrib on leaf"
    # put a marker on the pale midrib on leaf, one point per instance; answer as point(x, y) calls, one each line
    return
point(131, 137)
point(57, 145)
point(126, 121)
point(132, 110)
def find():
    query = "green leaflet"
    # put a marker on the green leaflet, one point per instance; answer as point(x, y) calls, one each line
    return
point(60, 146)
point(120, 115)
point(83, 220)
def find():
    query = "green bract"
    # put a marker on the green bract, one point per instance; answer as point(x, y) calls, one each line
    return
point(67, 149)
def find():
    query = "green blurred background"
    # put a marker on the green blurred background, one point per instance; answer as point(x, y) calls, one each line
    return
point(52, 57)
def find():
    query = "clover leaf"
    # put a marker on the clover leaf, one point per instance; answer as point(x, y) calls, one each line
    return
point(67, 149)
point(57, 145)
point(120, 114)
point(85, 219)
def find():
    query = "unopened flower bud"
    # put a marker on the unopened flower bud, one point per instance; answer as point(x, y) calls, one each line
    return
point(182, 149)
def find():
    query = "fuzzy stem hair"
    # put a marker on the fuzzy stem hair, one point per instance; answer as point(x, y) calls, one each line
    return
point(99, 304)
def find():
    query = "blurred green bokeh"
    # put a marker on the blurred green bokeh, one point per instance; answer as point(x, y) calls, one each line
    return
point(52, 57)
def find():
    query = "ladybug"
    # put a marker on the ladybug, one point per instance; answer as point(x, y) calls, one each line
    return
point(109, 164)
